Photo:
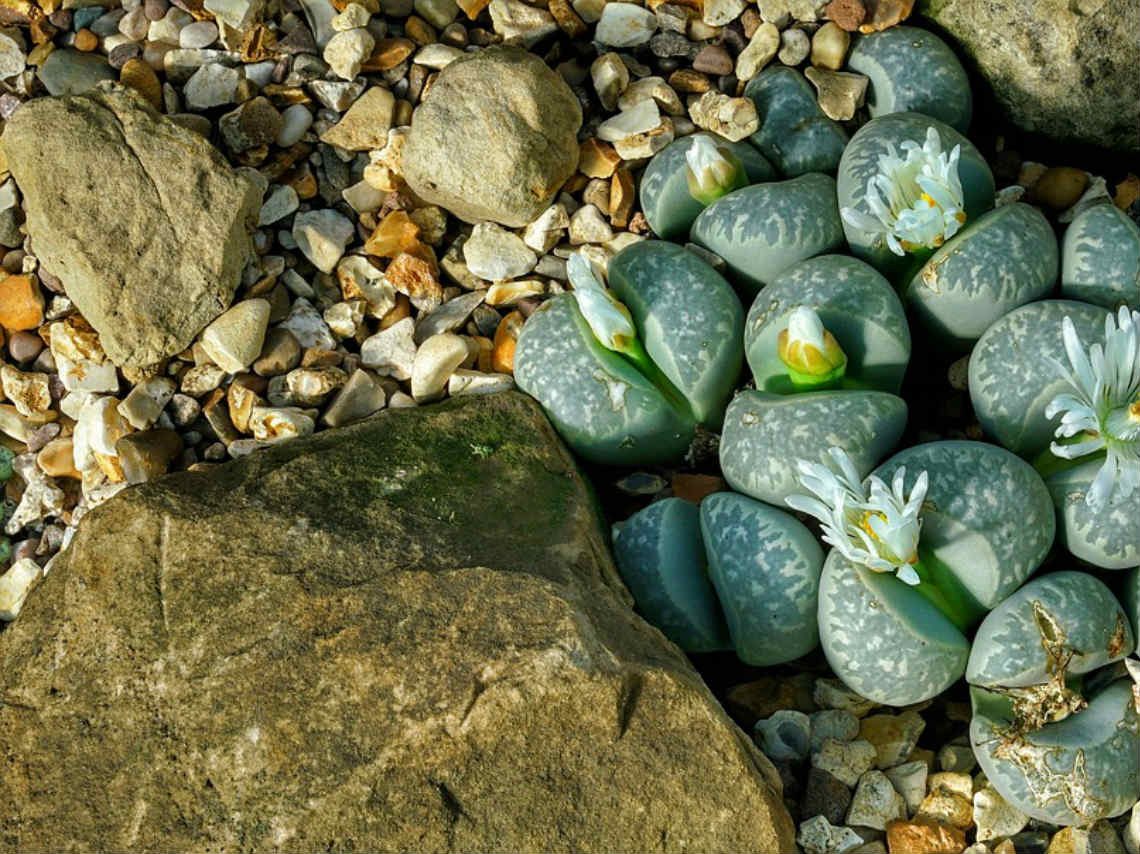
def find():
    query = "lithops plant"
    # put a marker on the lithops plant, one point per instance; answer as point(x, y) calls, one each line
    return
point(764, 434)
point(679, 183)
point(853, 302)
point(916, 564)
point(762, 563)
point(1057, 382)
point(1056, 727)
point(627, 373)
point(1100, 257)
point(1007, 258)
point(907, 183)
point(762, 230)
point(912, 70)
point(661, 557)
point(794, 134)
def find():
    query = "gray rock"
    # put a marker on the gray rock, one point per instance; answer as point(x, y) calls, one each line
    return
point(333, 644)
point(144, 222)
point(1061, 68)
point(69, 72)
point(518, 143)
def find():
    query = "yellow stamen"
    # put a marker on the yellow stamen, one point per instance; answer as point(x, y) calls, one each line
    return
point(926, 197)
point(1134, 410)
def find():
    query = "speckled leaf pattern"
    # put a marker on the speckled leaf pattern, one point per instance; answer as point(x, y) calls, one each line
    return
point(1077, 771)
point(1132, 602)
point(665, 199)
point(1023, 640)
point(913, 70)
point(1005, 259)
point(690, 319)
point(1100, 258)
point(1107, 537)
point(987, 516)
point(762, 230)
point(861, 161)
point(856, 304)
point(602, 406)
point(765, 566)
point(794, 133)
point(882, 638)
point(661, 557)
point(764, 434)
point(1012, 372)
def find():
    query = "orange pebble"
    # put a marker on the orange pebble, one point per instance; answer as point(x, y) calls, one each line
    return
point(506, 335)
point(21, 303)
point(85, 40)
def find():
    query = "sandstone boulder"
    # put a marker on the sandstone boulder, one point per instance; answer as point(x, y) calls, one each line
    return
point(402, 635)
point(495, 138)
point(1062, 68)
point(143, 221)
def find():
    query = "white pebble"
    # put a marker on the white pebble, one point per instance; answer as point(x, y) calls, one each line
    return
point(493, 253)
point(295, 120)
point(322, 235)
point(391, 352)
point(642, 117)
point(346, 52)
point(281, 202)
point(199, 34)
point(436, 360)
point(625, 25)
point(15, 585)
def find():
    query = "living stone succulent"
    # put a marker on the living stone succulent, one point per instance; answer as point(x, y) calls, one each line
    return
point(1058, 382)
point(1100, 257)
point(853, 302)
point(627, 374)
point(752, 563)
point(912, 70)
point(666, 193)
point(794, 134)
point(800, 219)
point(986, 524)
point(885, 204)
point(1006, 258)
point(1056, 726)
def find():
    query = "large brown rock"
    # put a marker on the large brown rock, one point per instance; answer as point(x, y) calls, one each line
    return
point(495, 138)
point(143, 221)
point(402, 635)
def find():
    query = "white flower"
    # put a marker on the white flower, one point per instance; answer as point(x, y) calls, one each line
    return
point(711, 173)
point(608, 318)
point(1104, 404)
point(878, 530)
point(806, 347)
point(916, 202)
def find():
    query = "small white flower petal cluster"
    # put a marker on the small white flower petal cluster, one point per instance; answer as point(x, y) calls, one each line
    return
point(878, 528)
point(916, 200)
point(1104, 404)
point(710, 169)
point(608, 318)
point(805, 328)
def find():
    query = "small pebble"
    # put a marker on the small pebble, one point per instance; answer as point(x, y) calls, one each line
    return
point(626, 25)
point(829, 46)
point(435, 361)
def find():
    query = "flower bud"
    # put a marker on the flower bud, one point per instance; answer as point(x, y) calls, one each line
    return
point(712, 171)
point(810, 352)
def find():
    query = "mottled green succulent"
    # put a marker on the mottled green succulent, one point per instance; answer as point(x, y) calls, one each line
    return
point(986, 523)
point(627, 374)
point(762, 230)
point(666, 191)
point(735, 563)
point(794, 134)
point(1100, 258)
point(1056, 726)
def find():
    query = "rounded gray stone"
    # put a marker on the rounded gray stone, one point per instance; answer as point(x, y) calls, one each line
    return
point(794, 133)
point(495, 138)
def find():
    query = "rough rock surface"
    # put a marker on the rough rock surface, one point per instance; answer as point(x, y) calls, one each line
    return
point(1065, 68)
point(401, 635)
point(519, 143)
point(144, 222)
